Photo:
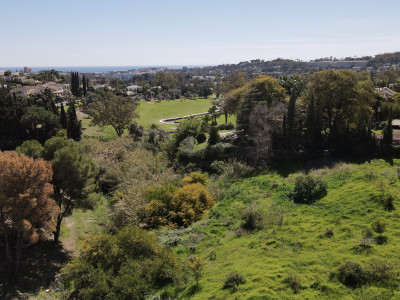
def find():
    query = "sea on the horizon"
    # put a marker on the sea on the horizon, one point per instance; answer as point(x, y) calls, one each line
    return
point(98, 69)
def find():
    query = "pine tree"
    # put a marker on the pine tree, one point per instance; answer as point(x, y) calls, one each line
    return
point(63, 117)
point(74, 127)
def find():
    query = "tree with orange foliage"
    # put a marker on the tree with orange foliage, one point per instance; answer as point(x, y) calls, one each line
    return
point(27, 211)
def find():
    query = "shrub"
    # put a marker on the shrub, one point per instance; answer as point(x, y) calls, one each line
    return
point(381, 271)
point(387, 201)
point(364, 244)
point(212, 255)
point(196, 266)
point(195, 177)
point(127, 265)
point(329, 232)
point(189, 203)
point(228, 126)
point(381, 239)
point(214, 137)
point(233, 280)
point(293, 281)
point(135, 130)
point(252, 218)
point(308, 189)
point(352, 274)
point(159, 201)
point(189, 127)
point(355, 275)
point(201, 138)
point(230, 171)
point(379, 226)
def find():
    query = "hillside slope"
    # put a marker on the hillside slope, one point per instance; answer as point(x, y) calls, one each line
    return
point(294, 256)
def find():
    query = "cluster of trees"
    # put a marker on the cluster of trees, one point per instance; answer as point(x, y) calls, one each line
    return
point(328, 110)
point(39, 186)
point(173, 86)
point(76, 88)
point(30, 118)
point(74, 175)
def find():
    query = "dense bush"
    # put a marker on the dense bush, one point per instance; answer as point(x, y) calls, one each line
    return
point(135, 130)
point(294, 282)
point(388, 202)
point(170, 205)
point(157, 208)
point(308, 189)
point(228, 126)
point(252, 218)
point(352, 274)
point(189, 204)
point(233, 280)
point(195, 177)
point(355, 275)
point(201, 138)
point(128, 265)
point(379, 226)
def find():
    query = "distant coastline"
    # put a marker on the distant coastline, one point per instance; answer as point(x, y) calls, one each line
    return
point(97, 69)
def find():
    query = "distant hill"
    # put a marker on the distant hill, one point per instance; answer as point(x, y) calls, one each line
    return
point(280, 66)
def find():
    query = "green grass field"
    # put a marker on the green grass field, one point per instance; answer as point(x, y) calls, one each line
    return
point(298, 247)
point(151, 112)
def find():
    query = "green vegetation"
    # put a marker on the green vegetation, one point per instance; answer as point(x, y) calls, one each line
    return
point(128, 265)
point(152, 112)
point(304, 255)
point(150, 214)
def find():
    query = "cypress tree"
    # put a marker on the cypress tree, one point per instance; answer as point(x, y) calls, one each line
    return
point(387, 139)
point(214, 136)
point(63, 117)
point(72, 84)
point(312, 138)
point(84, 84)
point(74, 127)
point(78, 92)
point(75, 84)
point(53, 107)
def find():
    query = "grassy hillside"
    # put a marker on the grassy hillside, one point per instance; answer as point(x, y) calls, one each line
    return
point(294, 247)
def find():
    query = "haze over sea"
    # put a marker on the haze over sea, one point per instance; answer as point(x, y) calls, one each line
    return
point(97, 69)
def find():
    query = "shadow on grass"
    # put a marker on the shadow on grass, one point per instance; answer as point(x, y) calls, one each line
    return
point(195, 288)
point(40, 264)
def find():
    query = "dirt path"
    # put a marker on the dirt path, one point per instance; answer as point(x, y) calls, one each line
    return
point(69, 242)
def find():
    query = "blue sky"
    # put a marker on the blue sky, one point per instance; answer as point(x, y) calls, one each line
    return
point(189, 32)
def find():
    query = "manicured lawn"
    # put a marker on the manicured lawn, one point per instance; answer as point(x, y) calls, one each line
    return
point(152, 112)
